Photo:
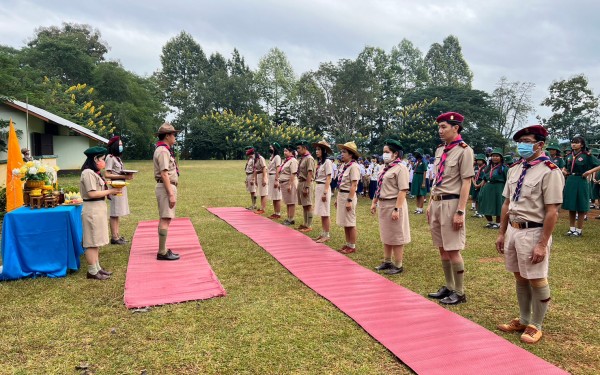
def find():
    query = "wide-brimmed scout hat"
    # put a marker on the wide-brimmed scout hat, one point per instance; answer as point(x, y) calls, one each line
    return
point(508, 159)
point(323, 143)
point(553, 146)
point(419, 151)
point(96, 150)
point(497, 151)
point(480, 157)
point(167, 128)
point(350, 147)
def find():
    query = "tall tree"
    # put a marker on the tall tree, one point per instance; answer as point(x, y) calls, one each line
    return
point(275, 79)
point(242, 86)
point(446, 64)
point(408, 67)
point(309, 107)
point(575, 109)
point(513, 102)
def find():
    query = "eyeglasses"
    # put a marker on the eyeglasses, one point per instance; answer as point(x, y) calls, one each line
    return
point(527, 141)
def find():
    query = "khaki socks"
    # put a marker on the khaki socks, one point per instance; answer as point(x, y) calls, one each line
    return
point(447, 267)
point(309, 217)
point(540, 297)
point(92, 270)
point(459, 277)
point(524, 299)
point(162, 241)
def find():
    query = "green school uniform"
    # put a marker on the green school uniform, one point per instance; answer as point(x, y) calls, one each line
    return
point(559, 161)
point(418, 188)
point(577, 188)
point(490, 196)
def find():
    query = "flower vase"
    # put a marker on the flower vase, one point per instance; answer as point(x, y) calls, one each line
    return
point(34, 184)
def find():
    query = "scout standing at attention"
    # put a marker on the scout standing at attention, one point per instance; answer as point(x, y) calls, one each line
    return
point(346, 198)
point(261, 178)
point(93, 215)
point(446, 209)
point(390, 197)
point(306, 173)
point(250, 178)
point(119, 204)
point(323, 189)
point(579, 165)
point(166, 173)
point(490, 195)
point(418, 187)
point(275, 192)
point(532, 194)
point(289, 184)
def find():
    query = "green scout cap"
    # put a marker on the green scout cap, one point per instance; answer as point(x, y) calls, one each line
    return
point(96, 150)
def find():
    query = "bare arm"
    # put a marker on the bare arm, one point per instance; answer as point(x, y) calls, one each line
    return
point(503, 227)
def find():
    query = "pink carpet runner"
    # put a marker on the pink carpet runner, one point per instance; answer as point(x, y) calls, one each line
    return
point(152, 282)
point(425, 336)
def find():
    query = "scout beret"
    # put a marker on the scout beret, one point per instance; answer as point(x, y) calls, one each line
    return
point(302, 142)
point(114, 139)
point(96, 150)
point(533, 129)
point(394, 143)
point(249, 150)
point(453, 118)
point(276, 145)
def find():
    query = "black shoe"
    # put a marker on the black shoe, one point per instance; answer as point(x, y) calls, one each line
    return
point(384, 266)
point(105, 272)
point(394, 270)
point(454, 299)
point(118, 241)
point(123, 239)
point(443, 292)
point(97, 276)
point(168, 256)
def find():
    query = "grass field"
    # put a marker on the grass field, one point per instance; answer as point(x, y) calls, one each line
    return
point(269, 322)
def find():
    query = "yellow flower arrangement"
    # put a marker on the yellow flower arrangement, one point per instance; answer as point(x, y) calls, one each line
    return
point(36, 171)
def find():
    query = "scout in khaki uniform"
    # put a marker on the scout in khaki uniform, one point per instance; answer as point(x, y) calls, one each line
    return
point(289, 183)
point(93, 215)
point(119, 204)
point(166, 174)
point(446, 209)
point(274, 188)
point(346, 200)
point(306, 174)
point(323, 178)
point(250, 177)
point(418, 187)
point(579, 165)
point(390, 197)
point(261, 178)
point(533, 193)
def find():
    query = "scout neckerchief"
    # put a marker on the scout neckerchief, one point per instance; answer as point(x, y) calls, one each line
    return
point(256, 160)
point(171, 152)
point(573, 161)
point(380, 179)
point(284, 163)
point(300, 162)
point(341, 175)
point(526, 166)
point(440, 175)
point(479, 170)
point(492, 168)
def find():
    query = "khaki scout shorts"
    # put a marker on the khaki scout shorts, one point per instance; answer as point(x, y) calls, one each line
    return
point(308, 199)
point(440, 222)
point(250, 188)
point(518, 249)
point(162, 198)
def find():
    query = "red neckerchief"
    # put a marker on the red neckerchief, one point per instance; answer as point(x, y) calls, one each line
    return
point(346, 165)
point(479, 170)
point(573, 161)
point(493, 168)
point(284, 163)
point(171, 152)
point(380, 179)
point(440, 175)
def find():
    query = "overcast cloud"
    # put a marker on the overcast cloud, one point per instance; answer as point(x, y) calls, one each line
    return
point(527, 40)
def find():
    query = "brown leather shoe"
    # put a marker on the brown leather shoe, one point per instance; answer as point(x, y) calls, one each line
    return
point(305, 229)
point(105, 272)
point(275, 216)
point(259, 212)
point(97, 276)
point(323, 239)
point(531, 334)
point(512, 326)
point(347, 250)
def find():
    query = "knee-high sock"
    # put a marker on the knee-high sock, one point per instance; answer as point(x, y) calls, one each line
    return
point(253, 200)
point(458, 269)
point(305, 216)
point(447, 266)
point(309, 218)
point(162, 241)
point(524, 299)
point(540, 299)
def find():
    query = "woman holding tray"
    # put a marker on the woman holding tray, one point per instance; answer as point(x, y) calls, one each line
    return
point(119, 204)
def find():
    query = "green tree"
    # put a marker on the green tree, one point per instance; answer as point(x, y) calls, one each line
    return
point(408, 67)
point(242, 93)
point(309, 106)
point(446, 64)
point(574, 107)
point(512, 101)
point(275, 81)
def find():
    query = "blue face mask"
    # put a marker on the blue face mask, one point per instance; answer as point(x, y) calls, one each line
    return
point(120, 148)
point(525, 149)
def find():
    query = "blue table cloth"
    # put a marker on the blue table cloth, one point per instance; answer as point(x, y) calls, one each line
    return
point(41, 242)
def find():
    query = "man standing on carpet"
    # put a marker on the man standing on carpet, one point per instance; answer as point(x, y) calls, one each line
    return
point(250, 179)
point(446, 209)
point(306, 173)
point(166, 173)
point(533, 194)
point(260, 177)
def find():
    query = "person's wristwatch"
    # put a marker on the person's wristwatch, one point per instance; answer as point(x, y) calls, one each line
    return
point(396, 209)
point(460, 212)
point(349, 200)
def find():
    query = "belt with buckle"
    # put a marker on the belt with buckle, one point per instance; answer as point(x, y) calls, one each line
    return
point(93, 199)
point(160, 181)
point(525, 224)
point(319, 182)
point(444, 197)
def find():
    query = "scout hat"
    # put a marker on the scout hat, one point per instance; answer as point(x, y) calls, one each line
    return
point(96, 150)
point(323, 143)
point(533, 129)
point(276, 145)
point(553, 146)
point(166, 128)
point(350, 147)
point(480, 157)
point(452, 118)
point(419, 151)
point(114, 139)
point(394, 143)
point(302, 142)
point(508, 159)
point(497, 151)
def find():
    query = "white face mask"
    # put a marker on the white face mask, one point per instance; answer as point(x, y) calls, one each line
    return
point(387, 157)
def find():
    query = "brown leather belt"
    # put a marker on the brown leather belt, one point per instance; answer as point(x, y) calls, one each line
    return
point(444, 197)
point(160, 181)
point(319, 182)
point(344, 191)
point(93, 199)
point(525, 224)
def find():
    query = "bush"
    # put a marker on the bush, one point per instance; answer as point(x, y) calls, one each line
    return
point(2, 201)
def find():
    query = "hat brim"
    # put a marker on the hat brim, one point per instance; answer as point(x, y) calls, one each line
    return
point(342, 147)
point(175, 131)
point(327, 148)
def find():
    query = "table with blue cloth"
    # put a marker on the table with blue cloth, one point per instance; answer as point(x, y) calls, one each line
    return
point(41, 242)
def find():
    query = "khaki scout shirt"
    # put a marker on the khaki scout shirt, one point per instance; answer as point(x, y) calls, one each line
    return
point(289, 168)
point(163, 161)
point(459, 165)
point(250, 165)
point(395, 180)
point(260, 164)
point(90, 181)
point(351, 173)
point(307, 163)
point(323, 171)
point(274, 163)
point(542, 185)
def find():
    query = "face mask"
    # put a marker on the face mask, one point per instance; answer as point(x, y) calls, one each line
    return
point(525, 149)
point(100, 164)
point(120, 148)
point(387, 157)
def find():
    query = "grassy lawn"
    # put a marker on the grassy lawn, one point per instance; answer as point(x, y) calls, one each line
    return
point(269, 322)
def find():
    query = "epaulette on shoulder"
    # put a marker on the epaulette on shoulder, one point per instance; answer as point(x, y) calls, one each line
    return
point(463, 145)
point(550, 164)
point(441, 145)
point(587, 153)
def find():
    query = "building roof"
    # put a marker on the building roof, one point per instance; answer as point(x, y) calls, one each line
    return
point(52, 118)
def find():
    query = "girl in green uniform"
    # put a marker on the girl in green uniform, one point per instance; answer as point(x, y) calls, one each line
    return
point(554, 151)
point(490, 195)
point(579, 165)
point(418, 187)
point(480, 165)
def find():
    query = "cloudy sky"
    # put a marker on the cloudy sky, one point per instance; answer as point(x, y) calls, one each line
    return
point(525, 40)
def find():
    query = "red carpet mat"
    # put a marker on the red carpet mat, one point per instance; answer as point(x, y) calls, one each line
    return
point(152, 282)
point(425, 336)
